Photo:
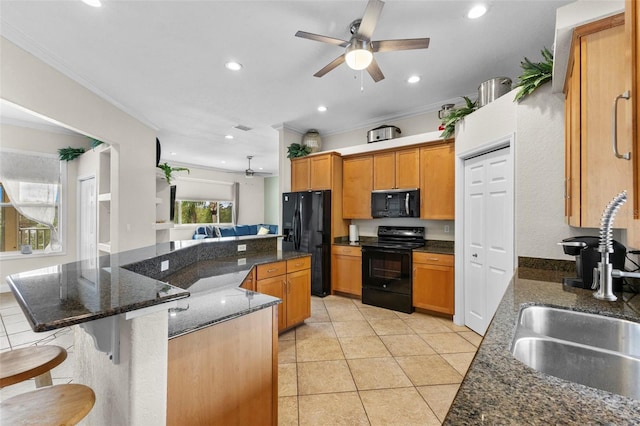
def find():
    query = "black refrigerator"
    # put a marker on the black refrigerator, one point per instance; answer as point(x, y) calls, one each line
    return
point(306, 227)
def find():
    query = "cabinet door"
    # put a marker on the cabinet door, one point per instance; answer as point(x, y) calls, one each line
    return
point(321, 172)
point(632, 67)
point(602, 175)
point(275, 287)
point(384, 171)
point(433, 287)
point(346, 270)
point(437, 186)
point(357, 182)
point(407, 168)
point(298, 297)
point(300, 174)
point(249, 281)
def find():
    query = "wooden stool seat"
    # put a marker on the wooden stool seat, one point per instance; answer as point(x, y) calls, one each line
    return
point(55, 405)
point(25, 363)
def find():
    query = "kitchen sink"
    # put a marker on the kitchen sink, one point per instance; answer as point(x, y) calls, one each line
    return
point(590, 349)
point(585, 328)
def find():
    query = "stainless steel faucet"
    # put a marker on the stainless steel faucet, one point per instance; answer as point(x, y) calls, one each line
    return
point(604, 273)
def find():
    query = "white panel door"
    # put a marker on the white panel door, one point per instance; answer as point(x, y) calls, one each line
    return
point(488, 235)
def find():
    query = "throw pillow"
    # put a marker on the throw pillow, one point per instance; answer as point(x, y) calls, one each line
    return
point(263, 231)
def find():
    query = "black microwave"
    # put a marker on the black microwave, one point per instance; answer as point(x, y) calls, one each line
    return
point(395, 203)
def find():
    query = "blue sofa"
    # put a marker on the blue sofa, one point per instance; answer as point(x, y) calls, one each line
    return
point(214, 231)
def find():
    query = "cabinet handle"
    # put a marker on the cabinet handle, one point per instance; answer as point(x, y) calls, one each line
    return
point(433, 258)
point(271, 270)
point(614, 131)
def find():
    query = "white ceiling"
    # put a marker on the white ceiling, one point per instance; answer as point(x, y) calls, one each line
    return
point(163, 62)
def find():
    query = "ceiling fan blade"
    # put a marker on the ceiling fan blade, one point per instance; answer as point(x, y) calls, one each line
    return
point(321, 38)
point(403, 44)
point(370, 19)
point(333, 64)
point(374, 71)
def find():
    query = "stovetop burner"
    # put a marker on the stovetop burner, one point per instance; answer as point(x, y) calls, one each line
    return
point(398, 237)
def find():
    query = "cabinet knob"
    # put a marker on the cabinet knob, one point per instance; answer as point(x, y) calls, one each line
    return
point(474, 255)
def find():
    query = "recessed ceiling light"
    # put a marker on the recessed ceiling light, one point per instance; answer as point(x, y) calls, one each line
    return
point(322, 108)
point(413, 79)
point(228, 136)
point(477, 11)
point(93, 3)
point(223, 162)
point(233, 66)
point(173, 153)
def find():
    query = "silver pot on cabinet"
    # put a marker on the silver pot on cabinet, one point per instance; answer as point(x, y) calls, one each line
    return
point(383, 133)
point(492, 89)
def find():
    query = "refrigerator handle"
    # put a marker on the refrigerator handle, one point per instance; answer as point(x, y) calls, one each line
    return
point(298, 230)
point(320, 215)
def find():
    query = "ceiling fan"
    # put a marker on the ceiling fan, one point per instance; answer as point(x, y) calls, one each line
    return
point(360, 48)
point(249, 172)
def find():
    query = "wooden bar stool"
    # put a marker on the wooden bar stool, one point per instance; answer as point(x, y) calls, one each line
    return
point(25, 363)
point(54, 405)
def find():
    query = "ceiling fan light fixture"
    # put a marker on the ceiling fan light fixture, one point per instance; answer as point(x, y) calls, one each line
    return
point(358, 54)
point(413, 79)
point(233, 66)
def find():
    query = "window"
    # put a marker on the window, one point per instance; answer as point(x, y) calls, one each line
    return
point(30, 202)
point(216, 212)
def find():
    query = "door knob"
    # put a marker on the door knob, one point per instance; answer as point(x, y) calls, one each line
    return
point(474, 255)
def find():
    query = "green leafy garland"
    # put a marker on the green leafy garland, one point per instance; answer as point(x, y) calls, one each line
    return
point(168, 171)
point(297, 150)
point(450, 120)
point(69, 153)
point(534, 74)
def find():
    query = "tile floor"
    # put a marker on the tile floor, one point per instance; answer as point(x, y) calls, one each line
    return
point(349, 364)
point(353, 364)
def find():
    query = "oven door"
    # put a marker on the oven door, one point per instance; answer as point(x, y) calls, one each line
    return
point(386, 278)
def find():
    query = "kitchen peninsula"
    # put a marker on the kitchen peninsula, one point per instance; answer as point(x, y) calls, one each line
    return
point(202, 310)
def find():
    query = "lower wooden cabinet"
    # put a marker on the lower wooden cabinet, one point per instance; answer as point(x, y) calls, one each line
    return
point(346, 269)
point(225, 374)
point(290, 281)
point(433, 285)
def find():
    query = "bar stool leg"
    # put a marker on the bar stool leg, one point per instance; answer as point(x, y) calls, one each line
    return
point(44, 380)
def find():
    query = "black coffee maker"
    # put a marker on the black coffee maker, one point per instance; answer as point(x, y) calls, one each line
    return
point(585, 249)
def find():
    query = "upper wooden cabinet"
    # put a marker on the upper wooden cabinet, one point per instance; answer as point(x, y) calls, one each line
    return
point(632, 67)
point(357, 183)
point(313, 172)
point(596, 76)
point(396, 169)
point(437, 182)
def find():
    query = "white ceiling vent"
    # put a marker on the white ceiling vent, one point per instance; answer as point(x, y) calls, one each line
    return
point(243, 128)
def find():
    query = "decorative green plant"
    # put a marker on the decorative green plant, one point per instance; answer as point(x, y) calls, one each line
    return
point(94, 142)
point(534, 74)
point(168, 171)
point(69, 153)
point(297, 150)
point(457, 114)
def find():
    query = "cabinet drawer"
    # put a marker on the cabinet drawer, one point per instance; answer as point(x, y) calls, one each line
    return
point(271, 270)
point(433, 258)
point(298, 264)
point(347, 250)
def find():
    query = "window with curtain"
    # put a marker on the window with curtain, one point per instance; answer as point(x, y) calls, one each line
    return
point(30, 202)
point(214, 212)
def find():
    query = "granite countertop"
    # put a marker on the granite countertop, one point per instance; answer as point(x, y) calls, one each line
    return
point(74, 293)
point(498, 389)
point(77, 292)
point(215, 292)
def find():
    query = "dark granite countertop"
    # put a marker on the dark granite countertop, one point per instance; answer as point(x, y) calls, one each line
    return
point(74, 293)
point(78, 292)
point(498, 389)
point(215, 292)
